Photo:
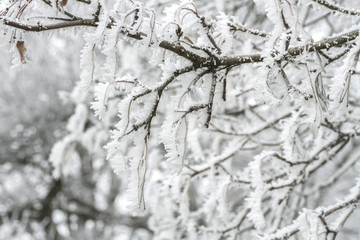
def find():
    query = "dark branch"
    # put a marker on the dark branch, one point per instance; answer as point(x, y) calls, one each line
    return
point(41, 28)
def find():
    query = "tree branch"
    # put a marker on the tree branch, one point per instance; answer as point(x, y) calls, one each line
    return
point(337, 8)
point(197, 60)
point(41, 28)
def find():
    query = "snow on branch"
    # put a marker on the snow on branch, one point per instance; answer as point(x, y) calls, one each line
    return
point(222, 124)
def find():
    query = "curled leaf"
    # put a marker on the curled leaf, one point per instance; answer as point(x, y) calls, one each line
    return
point(20, 45)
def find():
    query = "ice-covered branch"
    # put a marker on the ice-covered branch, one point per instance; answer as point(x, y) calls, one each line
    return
point(46, 27)
point(336, 7)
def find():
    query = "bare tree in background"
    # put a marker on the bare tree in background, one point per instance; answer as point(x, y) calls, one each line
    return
point(223, 119)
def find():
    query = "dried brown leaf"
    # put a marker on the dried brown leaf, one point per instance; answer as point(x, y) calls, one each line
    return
point(20, 45)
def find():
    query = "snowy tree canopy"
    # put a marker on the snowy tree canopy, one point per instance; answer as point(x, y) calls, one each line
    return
point(222, 119)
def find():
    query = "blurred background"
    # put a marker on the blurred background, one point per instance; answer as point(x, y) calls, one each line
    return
point(34, 205)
